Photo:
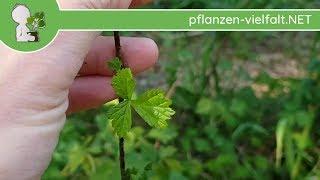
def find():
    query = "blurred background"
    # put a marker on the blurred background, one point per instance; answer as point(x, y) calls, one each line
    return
point(247, 107)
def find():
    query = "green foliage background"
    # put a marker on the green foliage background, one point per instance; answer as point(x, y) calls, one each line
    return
point(247, 107)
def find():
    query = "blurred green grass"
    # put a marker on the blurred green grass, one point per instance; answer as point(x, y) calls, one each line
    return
point(247, 108)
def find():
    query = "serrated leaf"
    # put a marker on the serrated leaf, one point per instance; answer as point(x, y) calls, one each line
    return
point(123, 83)
point(154, 108)
point(120, 116)
point(115, 64)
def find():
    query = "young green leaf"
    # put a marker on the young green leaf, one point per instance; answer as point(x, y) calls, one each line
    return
point(154, 108)
point(124, 84)
point(115, 64)
point(120, 116)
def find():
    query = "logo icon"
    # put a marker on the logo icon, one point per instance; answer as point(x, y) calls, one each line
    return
point(28, 26)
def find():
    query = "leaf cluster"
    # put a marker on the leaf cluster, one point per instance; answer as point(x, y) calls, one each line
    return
point(152, 105)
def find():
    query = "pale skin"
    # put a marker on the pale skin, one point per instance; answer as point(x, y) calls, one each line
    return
point(37, 90)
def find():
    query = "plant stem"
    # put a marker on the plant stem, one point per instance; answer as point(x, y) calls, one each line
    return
point(122, 159)
point(117, 43)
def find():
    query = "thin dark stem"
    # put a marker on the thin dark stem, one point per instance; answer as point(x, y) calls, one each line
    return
point(117, 43)
point(122, 161)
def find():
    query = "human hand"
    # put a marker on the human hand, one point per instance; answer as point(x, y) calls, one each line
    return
point(37, 89)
